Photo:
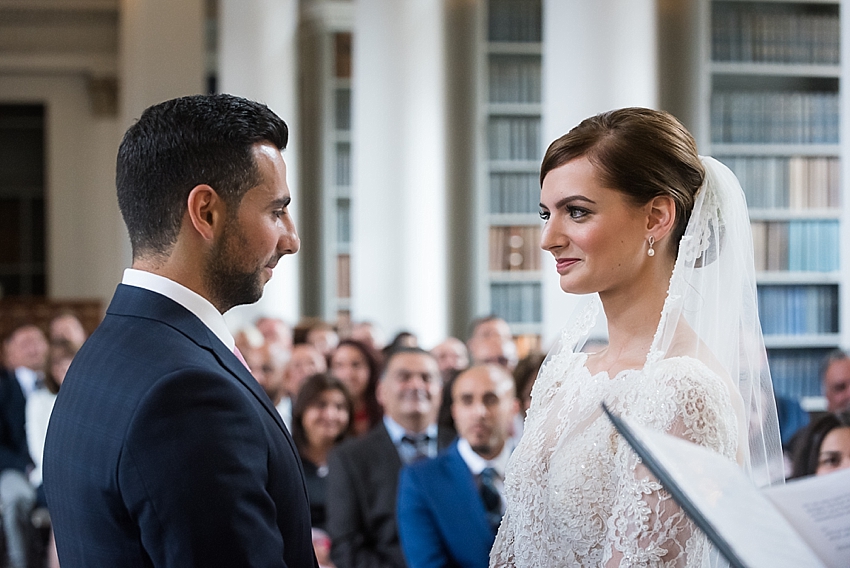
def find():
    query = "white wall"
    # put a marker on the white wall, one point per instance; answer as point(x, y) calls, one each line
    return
point(598, 55)
point(399, 261)
point(258, 60)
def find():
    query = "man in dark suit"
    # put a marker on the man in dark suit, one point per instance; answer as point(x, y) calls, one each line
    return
point(162, 449)
point(25, 357)
point(449, 508)
point(363, 473)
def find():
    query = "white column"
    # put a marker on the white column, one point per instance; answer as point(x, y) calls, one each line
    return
point(161, 52)
point(597, 55)
point(399, 256)
point(161, 55)
point(258, 46)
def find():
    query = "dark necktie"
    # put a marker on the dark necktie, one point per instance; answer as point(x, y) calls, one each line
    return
point(414, 448)
point(491, 498)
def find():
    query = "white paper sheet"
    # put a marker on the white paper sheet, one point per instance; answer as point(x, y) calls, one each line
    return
point(738, 511)
point(819, 509)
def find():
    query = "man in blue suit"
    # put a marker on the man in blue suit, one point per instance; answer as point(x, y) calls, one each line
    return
point(449, 508)
point(162, 449)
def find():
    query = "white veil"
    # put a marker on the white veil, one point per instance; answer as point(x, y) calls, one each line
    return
point(713, 291)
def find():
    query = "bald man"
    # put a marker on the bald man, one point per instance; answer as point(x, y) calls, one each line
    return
point(449, 508)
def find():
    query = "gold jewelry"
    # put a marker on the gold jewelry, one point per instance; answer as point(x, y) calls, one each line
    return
point(651, 251)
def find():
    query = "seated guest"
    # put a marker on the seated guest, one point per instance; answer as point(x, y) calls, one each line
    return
point(321, 418)
point(276, 332)
point(367, 332)
point(67, 327)
point(451, 355)
point(835, 379)
point(823, 446)
point(304, 361)
point(323, 337)
point(402, 339)
point(25, 357)
point(357, 366)
point(449, 508)
point(363, 473)
point(491, 342)
point(38, 409)
point(268, 365)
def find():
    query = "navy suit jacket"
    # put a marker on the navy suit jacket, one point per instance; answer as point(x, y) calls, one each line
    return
point(441, 517)
point(14, 452)
point(162, 450)
point(362, 489)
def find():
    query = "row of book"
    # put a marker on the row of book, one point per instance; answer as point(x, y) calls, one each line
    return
point(517, 302)
point(794, 182)
point(343, 221)
point(343, 164)
point(514, 78)
point(515, 248)
point(798, 309)
point(774, 34)
point(342, 55)
point(515, 20)
point(798, 245)
point(343, 276)
point(796, 372)
point(514, 192)
point(342, 109)
point(514, 137)
point(774, 117)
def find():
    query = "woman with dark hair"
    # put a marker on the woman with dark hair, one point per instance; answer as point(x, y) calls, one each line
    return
point(659, 240)
point(357, 366)
point(824, 446)
point(321, 418)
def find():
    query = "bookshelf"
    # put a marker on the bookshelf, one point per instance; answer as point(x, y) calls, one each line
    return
point(512, 149)
point(773, 111)
point(325, 159)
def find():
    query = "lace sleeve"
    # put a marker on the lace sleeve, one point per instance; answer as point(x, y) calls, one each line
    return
point(647, 527)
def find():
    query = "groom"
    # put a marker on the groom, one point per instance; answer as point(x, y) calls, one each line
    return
point(162, 449)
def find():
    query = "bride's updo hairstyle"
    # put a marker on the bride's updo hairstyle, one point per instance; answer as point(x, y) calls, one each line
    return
point(641, 152)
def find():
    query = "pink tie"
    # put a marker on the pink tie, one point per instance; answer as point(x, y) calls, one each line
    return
point(241, 358)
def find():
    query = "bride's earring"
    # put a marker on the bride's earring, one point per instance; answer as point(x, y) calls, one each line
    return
point(651, 251)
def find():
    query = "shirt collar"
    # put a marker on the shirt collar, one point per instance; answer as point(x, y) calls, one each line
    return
point(396, 430)
point(27, 379)
point(476, 463)
point(192, 301)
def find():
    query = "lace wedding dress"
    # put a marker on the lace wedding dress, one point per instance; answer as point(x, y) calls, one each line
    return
point(576, 494)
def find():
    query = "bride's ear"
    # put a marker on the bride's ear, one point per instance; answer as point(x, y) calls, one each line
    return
point(661, 216)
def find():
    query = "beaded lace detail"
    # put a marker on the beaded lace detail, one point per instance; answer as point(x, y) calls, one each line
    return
point(576, 493)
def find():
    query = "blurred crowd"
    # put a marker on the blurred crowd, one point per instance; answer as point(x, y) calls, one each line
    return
point(403, 449)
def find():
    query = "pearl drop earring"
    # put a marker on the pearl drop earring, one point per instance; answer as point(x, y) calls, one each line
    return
point(651, 251)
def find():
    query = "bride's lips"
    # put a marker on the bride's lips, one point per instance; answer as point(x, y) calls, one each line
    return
point(563, 264)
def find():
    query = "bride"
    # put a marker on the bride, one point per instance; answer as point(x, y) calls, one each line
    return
point(661, 239)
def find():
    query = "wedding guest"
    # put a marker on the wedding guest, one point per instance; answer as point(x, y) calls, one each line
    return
point(450, 507)
point(321, 418)
point(363, 472)
point(824, 446)
point(357, 367)
point(38, 409)
point(491, 342)
point(836, 381)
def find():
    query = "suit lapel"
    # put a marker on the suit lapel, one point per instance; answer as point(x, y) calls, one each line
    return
point(138, 302)
point(465, 496)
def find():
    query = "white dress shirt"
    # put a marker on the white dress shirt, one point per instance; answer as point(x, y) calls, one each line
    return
point(190, 300)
